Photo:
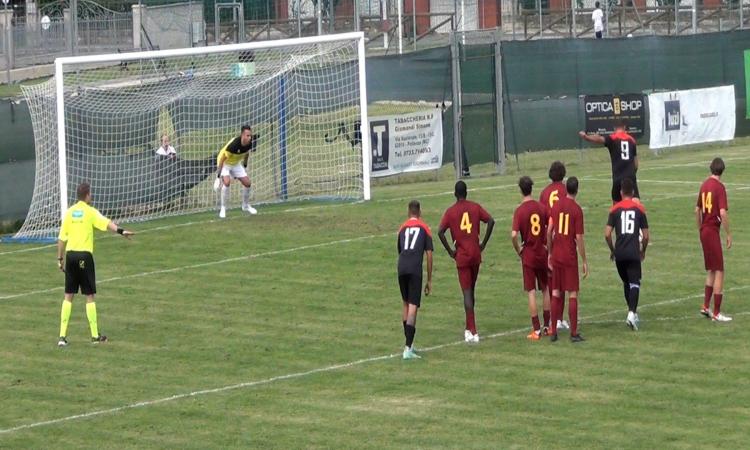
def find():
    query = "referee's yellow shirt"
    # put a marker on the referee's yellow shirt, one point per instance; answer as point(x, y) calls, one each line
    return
point(78, 227)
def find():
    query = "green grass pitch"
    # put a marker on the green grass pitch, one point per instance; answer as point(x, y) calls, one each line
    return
point(282, 330)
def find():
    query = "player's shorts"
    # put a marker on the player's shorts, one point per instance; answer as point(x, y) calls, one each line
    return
point(533, 278)
point(617, 196)
point(233, 170)
point(630, 271)
point(713, 256)
point(411, 288)
point(80, 273)
point(467, 276)
point(565, 279)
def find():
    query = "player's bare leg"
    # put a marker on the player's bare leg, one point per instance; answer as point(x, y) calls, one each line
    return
point(224, 198)
point(536, 327)
point(470, 334)
point(246, 196)
point(573, 317)
point(718, 297)
point(410, 329)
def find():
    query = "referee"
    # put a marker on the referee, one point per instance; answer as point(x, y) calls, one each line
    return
point(76, 242)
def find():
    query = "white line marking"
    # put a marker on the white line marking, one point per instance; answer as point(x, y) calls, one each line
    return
point(331, 368)
point(210, 263)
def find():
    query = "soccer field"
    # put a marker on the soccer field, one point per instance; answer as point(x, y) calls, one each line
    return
point(283, 330)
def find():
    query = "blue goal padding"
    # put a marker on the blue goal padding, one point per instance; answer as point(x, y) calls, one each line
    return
point(28, 240)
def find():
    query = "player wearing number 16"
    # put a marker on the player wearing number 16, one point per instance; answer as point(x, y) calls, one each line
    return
point(414, 241)
point(565, 242)
point(712, 212)
point(622, 153)
point(463, 220)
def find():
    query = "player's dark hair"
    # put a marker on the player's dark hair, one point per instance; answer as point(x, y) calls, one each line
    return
point(414, 208)
point(245, 128)
point(461, 190)
point(572, 186)
point(717, 167)
point(525, 184)
point(83, 190)
point(557, 171)
point(621, 123)
point(596, 5)
point(627, 187)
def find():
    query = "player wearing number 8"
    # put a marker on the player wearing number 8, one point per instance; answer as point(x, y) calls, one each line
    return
point(463, 220)
point(622, 153)
point(711, 212)
point(414, 241)
point(530, 222)
point(628, 219)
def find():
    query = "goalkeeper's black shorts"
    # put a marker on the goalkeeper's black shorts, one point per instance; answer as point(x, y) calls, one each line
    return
point(80, 273)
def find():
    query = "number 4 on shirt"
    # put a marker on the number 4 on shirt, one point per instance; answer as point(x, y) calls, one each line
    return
point(466, 223)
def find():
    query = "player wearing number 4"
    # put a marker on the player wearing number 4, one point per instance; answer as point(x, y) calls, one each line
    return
point(463, 221)
point(622, 153)
point(565, 241)
point(711, 212)
point(414, 241)
point(628, 219)
point(530, 222)
point(231, 163)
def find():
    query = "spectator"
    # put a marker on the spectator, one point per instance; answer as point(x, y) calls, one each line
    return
point(598, 17)
point(165, 149)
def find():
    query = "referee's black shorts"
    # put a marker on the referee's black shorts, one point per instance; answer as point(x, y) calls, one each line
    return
point(411, 288)
point(617, 196)
point(80, 273)
point(630, 271)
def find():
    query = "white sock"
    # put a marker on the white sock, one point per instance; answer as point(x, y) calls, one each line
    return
point(224, 195)
point(246, 196)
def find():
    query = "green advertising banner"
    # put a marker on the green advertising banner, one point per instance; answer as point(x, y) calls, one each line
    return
point(747, 83)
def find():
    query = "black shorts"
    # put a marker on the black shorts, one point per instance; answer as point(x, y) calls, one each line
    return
point(411, 288)
point(617, 196)
point(630, 271)
point(80, 273)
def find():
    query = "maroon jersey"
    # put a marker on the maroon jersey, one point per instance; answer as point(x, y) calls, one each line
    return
point(566, 220)
point(712, 198)
point(530, 220)
point(463, 220)
point(552, 193)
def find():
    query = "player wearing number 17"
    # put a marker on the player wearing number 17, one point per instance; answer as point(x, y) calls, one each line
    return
point(712, 212)
point(414, 241)
point(622, 153)
point(463, 220)
point(565, 241)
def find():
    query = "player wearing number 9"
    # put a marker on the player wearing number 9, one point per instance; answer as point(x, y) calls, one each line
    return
point(463, 220)
point(622, 153)
point(711, 213)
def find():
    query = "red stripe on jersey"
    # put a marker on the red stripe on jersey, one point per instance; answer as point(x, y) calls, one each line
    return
point(623, 136)
point(627, 203)
point(413, 221)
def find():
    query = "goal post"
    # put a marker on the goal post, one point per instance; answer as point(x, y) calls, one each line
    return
point(102, 117)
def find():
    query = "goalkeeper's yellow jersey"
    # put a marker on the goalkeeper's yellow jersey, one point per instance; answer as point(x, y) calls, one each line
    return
point(234, 152)
point(78, 227)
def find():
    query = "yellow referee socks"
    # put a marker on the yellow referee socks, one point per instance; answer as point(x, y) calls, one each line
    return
point(65, 317)
point(91, 314)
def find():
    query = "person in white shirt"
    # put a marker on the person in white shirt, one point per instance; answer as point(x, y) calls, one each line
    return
point(165, 149)
point(598, 18)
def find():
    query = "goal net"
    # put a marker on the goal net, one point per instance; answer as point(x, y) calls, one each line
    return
point(102, 118)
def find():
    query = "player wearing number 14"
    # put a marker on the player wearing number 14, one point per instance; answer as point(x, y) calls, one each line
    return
point(463, 221)
point(712, 212)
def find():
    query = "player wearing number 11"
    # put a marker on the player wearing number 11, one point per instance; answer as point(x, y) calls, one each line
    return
point(623, 154)
point(463, 221)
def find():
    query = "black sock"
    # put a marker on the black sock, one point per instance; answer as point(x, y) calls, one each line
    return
point(404, 322)
point(635, 292)
point(411, 330)
point(626, 291)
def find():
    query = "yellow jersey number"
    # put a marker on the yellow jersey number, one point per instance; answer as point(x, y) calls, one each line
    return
point(707, 202)
point(553, 197)
point(563, 224)
point(466, 223)
point(536, 224)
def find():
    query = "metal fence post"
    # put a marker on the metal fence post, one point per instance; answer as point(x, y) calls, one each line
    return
point(742, 15)
point(400, 27)
point(541, 23)
point(414, 22)
point(574, 12)
point(456, 87)
point(356, 15)
point(676, 17)
point(499, 105)
point(695, 16)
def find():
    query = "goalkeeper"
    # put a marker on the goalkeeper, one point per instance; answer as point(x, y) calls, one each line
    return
point(231, 163)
